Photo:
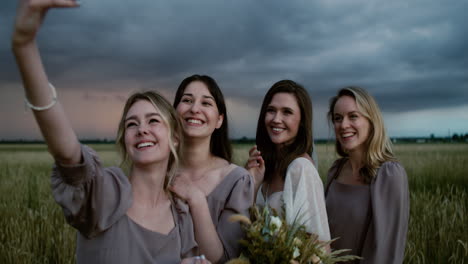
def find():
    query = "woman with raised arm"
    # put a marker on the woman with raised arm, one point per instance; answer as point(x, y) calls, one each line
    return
point(119, 219)
point(214, 187)
point(285, 176)
point(367, 189)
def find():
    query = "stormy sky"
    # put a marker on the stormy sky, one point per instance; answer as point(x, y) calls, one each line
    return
point(411, 55)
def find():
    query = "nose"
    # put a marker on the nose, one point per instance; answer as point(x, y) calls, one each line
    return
point(142, 129)
point(276, 117)
point(195, 108)
point(344, 123)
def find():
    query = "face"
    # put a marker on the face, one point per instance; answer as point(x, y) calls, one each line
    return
point(351, 127)
point(282, 118)
point(198, 110)
point(146, 134)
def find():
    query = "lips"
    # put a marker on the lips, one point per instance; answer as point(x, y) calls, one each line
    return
point(193, 121)
point(144, 144)
point(347, 135)
point(277, 130)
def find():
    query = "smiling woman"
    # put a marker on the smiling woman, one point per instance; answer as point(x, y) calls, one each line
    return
point(284, 173)
point(119, 219)
point(213, 186)
point(367, 189)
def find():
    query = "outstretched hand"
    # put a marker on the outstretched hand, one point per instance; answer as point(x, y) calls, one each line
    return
point(30, 15)
point(256, 166)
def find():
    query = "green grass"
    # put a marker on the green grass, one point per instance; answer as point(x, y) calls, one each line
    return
point(33, 229)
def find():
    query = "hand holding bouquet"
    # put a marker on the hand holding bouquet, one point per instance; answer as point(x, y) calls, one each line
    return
point(270, 239)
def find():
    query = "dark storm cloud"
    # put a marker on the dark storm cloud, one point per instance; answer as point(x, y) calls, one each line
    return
point(410, 54)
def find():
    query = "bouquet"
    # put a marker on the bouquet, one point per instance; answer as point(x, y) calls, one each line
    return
point(270, 239)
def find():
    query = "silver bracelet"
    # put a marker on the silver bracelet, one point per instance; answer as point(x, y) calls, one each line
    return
point(42, 108)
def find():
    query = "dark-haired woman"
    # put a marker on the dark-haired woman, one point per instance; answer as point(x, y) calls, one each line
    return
point(214, 187)
point(367, 189)
point(284, 174)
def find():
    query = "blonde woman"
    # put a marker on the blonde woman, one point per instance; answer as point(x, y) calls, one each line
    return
point(120, 219)
point(367, 189)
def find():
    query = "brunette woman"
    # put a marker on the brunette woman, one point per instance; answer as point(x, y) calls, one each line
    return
point(284, 174)
point(213, 186)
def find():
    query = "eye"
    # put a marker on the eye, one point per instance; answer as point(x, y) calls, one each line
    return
point(207, 103)
point(130, 124)
point(154, 120)
point(186, 100)
point(288, 112)
point(353, 116)
point(270, 110)
point(337, 118)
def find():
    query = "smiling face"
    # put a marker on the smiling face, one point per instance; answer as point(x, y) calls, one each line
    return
point(198, 110)
point(282, 118)
point(351, 126)
point(146, 134)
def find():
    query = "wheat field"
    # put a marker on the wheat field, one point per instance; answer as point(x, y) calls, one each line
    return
point(33, 229)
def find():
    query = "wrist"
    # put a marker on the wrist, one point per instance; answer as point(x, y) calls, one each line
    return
point(18, 46)
point(196, 199)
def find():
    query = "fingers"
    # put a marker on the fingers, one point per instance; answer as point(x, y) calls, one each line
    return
point(30, 15)
point(254, 148)
point(52, 3)
point(254, 151)
point(41, 5)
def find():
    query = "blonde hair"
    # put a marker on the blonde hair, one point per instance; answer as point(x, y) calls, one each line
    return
point(169, 117)
point(378, 145)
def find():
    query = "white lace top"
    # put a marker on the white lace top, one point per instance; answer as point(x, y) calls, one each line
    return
point(302, 196)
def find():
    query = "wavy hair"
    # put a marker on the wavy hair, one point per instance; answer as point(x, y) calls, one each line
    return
point(378, 145)
point(169, 117)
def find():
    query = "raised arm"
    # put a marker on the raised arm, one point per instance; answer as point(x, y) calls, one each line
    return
point(55, 127)
point(255, 165)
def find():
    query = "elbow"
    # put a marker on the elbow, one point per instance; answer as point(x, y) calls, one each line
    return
point(68, 156)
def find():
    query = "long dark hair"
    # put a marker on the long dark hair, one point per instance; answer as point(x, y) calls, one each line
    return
point(219, 144)
point(278, 161)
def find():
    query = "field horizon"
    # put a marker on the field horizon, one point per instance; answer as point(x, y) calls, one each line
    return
point(33, 228)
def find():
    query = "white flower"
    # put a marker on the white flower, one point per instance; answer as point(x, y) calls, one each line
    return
point(296, 253)
point(297, 242)
point(275, 223)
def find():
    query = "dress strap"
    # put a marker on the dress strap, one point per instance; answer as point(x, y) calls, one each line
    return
point(340, 166)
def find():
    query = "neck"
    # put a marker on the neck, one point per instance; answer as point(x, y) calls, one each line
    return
point(197, 153)
point(356, 160)
point(148, 184)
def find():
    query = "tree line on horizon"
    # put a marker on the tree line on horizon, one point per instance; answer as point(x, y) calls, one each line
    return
point(455, 138)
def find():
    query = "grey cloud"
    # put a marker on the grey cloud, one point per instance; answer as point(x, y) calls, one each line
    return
point(399, 50)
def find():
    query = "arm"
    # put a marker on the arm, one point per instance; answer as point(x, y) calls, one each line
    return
point(386, 238)
point(255, 165)
point(93, 198)
point(55, 127)
point(205, 231)
point(303, 197)
point(237, 200)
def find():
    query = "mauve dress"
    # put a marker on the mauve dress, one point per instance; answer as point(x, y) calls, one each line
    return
point(95, 201)
point(370, 219)
point(233, 195)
